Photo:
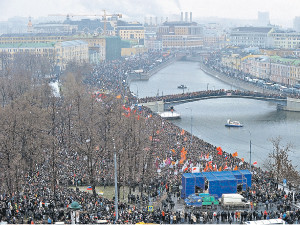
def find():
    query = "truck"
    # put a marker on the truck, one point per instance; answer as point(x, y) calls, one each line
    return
point(200, 199)
point(233, 200)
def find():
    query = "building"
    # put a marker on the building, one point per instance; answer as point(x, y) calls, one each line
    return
point(251, 37)
point(54, 28)
point(214, 35)
point(32, 38)
point(274, 68)
point(285, 40)
point(263, 19)
point(68, 51)
point(180, 35)
point(297, 24)
point(181, 41)
point(131, 31)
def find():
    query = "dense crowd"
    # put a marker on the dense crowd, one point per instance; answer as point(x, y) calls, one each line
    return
point(37, 203)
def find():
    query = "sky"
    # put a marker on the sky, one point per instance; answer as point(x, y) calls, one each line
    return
point(280, 10)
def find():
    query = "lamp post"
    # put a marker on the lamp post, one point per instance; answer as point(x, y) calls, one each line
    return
point(207, 86)
point(137, 93)
point(116, 182)
point(250, 165)
point(191, 124)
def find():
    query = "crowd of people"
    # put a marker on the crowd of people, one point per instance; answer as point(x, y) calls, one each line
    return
point(37, 203)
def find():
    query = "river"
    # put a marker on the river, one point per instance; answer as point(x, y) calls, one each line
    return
point(262, 122)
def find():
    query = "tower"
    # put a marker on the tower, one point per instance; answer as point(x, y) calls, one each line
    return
point(29, 26)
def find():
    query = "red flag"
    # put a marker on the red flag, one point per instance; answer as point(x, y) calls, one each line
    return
point(235, 168)
point(235, 154)
point(255, 163)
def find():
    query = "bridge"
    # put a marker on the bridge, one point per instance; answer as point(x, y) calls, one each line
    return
point(161, 103)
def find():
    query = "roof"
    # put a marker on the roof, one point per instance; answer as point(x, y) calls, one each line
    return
point(73, 43)
point(253, 29)
point(295, 62)
point(35, 35)
point(29, 45)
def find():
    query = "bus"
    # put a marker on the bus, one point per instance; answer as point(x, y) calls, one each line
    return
point(270, 221)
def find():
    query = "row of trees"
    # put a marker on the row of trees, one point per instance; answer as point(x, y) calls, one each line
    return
point(48, 138)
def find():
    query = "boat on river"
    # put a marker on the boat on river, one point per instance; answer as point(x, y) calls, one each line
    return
point(170, 115)
point(182, 86)
point(233, 123)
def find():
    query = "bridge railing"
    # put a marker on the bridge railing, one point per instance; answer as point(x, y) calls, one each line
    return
point(210, 93)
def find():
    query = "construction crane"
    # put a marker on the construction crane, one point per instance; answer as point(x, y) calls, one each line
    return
point(104, 16)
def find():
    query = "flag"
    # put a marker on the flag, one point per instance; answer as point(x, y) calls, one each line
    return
point(235, 168)
point(118, 96)
point(242, 159)
point(220, 169)
point(89, 188)
point(235, 154)
point(195, 169)
point(225, 167)
point(219, 149)
point(173, 151)
point(182, 132)
point(255, 163)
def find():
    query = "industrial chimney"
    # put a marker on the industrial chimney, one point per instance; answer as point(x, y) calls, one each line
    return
point(186, 16)
point(191, 17)
point(181, 19)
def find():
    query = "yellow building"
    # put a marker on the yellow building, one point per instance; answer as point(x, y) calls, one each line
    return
point(285, 40)
point(67, 51)
point(131, 32)
point(133, 51)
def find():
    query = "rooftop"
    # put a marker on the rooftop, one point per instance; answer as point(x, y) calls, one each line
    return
point(28, 45)
point(35, 35)
point(253, 29)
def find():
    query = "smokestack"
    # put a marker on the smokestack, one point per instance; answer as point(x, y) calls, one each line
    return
point(181, 19)
point(186, 16)
point(191, 17)
point(155, 21)
point(151, 20)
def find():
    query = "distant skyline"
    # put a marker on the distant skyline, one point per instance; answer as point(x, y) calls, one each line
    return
point(281, 12)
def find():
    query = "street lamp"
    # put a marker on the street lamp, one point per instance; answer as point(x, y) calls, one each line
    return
point(250, 149)
point(207, 86)
point(191, 124)
point(116, 182)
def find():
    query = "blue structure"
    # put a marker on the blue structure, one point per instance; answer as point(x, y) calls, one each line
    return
point(223, 182)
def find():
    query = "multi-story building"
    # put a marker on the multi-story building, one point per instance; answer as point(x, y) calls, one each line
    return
point(263, 18)
point(274, 68)
point(181, 41)
point(251, 37)
point(285, 40)
point(180, 35)
point(67, 51)
point(60, 52)
point(297, 24)
point(32, 38)
point(39, 49)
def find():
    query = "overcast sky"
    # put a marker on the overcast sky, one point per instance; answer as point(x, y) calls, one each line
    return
point(280, 10)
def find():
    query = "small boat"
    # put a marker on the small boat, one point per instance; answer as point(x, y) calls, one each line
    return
point(170, 115)
point(233, 123)
point(182, 86)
